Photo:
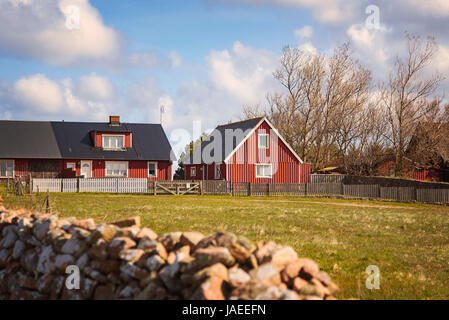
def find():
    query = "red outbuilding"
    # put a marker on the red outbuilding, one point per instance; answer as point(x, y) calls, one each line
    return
point(246, 151)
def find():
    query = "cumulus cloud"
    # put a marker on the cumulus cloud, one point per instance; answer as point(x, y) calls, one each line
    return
point(37, 92)
point(243, 72)
point(39, 97)
point(43, 29)
point(304, 33)
point(147, 97)
point(175, 60)
point(66, 33)
point(144, 59)
point(327, 11)
point(95, 87)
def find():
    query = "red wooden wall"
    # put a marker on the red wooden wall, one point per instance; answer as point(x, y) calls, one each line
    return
point(136, 169)
point(242, 167)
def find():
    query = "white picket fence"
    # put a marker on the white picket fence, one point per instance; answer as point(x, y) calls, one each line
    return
point(44, 185)
point(113, 185)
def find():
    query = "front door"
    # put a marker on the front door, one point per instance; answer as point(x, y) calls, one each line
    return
point(86, 169)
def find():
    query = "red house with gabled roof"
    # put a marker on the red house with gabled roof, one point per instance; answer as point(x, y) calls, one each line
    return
point(84, 149)
point(246, 151)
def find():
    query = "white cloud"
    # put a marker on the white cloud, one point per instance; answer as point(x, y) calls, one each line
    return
point(146, 97)
point(438, 8)
point(243, 72)
point(305, 32)
point(37, 29)
point(327, 11)
point(371, 48)
point(37, 92)
point(38, 97)
point(95, 87)
point(143, 60)
point(175, 60)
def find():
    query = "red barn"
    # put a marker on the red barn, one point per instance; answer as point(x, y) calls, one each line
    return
point(84, 149)
point(246, 151)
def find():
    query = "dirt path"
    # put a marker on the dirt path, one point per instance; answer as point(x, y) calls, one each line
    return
point(345, 204)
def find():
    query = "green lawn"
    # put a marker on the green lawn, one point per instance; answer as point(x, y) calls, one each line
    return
point(408, 242)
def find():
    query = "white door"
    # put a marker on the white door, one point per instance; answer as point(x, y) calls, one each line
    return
point(86, 169)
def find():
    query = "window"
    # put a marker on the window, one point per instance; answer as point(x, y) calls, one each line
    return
point(263, 171)
point(113, 142)
point(7, 168)
point(71, 165)
point(217, 171)
point(263, 141)
point(116, 169)
point(193, 171)
point(152, 169)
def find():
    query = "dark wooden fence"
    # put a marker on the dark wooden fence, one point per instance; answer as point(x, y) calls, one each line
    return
point(212, 187)
point(362, 191)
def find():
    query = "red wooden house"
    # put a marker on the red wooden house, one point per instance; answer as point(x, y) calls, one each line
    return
point(246, 151)
point(84, 149)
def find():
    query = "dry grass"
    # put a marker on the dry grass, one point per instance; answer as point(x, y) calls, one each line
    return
point(409, 243)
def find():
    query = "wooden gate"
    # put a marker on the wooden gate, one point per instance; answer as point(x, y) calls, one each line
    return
point(175, 187)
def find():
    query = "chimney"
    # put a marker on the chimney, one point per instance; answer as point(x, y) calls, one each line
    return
point(114, 120)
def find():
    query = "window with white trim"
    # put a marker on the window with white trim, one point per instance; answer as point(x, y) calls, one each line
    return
point(264, 171)
point(6, 168)
point(263, 140)
point(71, 165)
point(113, 142)
point(152, 169)
point(116, 169)
point(193, 171)
point(217, 171)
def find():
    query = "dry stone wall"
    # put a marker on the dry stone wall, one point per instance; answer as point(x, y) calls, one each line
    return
point(40, 256)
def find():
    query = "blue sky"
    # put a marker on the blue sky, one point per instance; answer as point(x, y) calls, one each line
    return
point(202, 59)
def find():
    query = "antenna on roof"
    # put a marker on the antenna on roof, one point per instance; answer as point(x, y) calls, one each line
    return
point(162, 110)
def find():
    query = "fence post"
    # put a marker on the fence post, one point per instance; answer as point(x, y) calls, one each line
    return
point(201, 187)
point(269, 189)
point(305, 189)
point(177, 189)
point(249, 189)
point(31, 184)
point(155, 188)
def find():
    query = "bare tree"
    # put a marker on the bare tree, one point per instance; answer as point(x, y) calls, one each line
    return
point(405, 95)
point(323, 99)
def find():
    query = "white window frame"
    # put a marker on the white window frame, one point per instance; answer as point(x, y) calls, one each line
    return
point(155, 168)
point(71, 163)
point(13, 168)
point(112, 135)
point(193, 171)
point(217, 165)
point(268, 140)
point(265, 165)
point(116, 162)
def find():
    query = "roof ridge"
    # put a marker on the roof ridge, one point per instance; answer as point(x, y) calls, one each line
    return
point(242, 121)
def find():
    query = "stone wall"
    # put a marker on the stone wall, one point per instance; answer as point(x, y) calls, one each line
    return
point(124, 261)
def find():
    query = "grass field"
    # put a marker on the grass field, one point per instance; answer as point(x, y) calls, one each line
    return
point(408, 242)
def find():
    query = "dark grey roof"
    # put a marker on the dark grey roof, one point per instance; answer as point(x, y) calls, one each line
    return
point(72, 140)
point(228, 143)
point(23, 139)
